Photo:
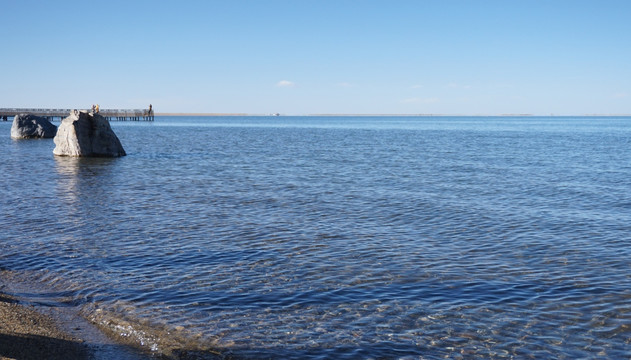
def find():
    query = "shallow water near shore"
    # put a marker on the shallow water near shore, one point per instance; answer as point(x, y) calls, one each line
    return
point(335, 237)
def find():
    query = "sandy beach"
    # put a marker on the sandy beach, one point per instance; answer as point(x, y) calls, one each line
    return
point(27, 334)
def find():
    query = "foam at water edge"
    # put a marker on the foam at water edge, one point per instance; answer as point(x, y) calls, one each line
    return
point(160, 340)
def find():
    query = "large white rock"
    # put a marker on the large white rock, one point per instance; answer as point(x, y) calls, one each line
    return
point(26, 126)
point(87, 134)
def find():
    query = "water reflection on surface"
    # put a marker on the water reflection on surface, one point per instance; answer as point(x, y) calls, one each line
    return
point(344, 239)
point(84, 183)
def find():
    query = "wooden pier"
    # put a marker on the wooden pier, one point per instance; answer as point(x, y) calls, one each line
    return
point(109, 114)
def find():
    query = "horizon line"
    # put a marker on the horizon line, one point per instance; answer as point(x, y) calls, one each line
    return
point(388, 114)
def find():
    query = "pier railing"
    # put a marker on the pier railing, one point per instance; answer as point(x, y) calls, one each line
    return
point(110, 114)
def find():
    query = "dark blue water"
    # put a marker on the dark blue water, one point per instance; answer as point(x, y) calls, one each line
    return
point(335, 237)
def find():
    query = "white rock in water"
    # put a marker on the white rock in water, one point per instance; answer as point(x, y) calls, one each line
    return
point(26, 126)
point(87, 134)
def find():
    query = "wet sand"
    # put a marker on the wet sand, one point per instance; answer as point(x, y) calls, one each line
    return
point(27, 334)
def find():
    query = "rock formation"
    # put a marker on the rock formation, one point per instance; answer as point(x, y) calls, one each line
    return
point(27, 126)
point(87, 134)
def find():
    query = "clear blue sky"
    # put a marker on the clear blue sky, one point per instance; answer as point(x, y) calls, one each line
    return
point(319, 56)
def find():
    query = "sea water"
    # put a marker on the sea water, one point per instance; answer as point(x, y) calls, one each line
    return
point(334, 237)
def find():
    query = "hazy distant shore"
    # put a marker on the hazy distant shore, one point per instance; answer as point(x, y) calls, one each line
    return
point(204, 114)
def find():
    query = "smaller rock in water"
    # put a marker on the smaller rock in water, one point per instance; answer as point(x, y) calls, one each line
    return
point(26, 126)
point(87, 134)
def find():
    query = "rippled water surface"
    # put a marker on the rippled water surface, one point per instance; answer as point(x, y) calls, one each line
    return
point(336, 237)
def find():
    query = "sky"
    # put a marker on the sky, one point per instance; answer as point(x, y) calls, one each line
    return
point(299, 57)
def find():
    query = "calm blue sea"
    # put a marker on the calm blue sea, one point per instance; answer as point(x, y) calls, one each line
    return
point(335, 237)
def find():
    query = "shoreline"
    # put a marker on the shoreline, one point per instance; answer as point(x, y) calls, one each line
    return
point(34, 331)
point(35, 325)
point(27, 332)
